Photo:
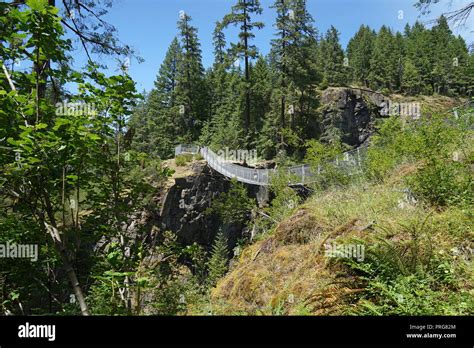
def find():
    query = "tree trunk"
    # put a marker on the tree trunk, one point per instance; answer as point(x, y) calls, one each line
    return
point(54, 233)
point(247, 77)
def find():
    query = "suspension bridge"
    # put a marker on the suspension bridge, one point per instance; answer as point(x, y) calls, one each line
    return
point(349, 162)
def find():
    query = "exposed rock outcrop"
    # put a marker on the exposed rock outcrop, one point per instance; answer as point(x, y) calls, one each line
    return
point(184, 203)
point(349, 114)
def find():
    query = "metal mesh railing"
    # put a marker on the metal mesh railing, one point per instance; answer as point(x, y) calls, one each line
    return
point(248, 175)
point(349, 162)
point(186, 148)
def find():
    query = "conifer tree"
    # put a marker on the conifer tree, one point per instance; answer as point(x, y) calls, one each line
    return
point(411, 82)
point(241, 15)
point(359, 51)
point(281, 58)
point(260, 92)
point(155, 122)
point(218, 263)
point(293, 57)
point(399, 61)
point(166, 80)
point(191, 90)
point(459, 76)
point(442, 56)
point(219, 42)
point(225, 129)
point(331, 58)
point(418, 51)
point(469, 73)
point(384, 61)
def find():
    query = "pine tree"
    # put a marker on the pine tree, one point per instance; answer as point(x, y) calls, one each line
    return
point(359, 51)
point(304, 75)
point(281, 59)
point(191, 90)
point(140, 124)
point(459, 75)
point(218, 263)
point(166, 80)
point(292, 56)
point(156, 125)
point(418, 50)
point(411, 81)
point(469, 73)
point(270, 137)
point(162, 106)
point(241, 15)
point(331, 58)
point(399, 60)
point(219, 42)
point(261, 90)
point(225, 127)
point(442, 56)
point(384, 61)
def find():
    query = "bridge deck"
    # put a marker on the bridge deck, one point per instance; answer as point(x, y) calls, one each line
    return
point(299, 175)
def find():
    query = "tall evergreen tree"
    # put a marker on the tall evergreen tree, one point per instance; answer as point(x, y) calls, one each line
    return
point(224, 129)
point(442, 56)
point(303, 72)
point(411, 81)
point(331, 59)
point(218, 263)
point(399, 54)
point(261, 90)
point(469, 73)
point(359, 52)
point(219, 42)
point(191, 91)
point(293, 59)
point(418, 50)
point(166, 80)
point(156, 123)
point(384, 61)
point(281, 59)
point(241, 15)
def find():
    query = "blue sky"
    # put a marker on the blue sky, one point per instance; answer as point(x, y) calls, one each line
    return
point(150, 25)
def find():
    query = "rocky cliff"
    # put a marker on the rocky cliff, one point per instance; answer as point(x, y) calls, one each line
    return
point(184, 202)
point(349, 114)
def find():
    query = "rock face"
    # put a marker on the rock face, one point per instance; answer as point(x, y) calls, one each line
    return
point(184, 204)
point(349, 114)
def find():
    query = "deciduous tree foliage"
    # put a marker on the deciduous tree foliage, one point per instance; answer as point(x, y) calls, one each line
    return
point(64, 172)
point(74, 182)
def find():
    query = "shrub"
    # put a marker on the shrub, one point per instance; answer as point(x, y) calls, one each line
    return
point(233, 206)
point(412, 295)
point(405, 276)
point(183, 159)
point(322, 156)
point(285, 199)
point(430, 143)
point(443, 183)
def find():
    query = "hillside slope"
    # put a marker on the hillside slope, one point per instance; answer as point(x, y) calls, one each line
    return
point(289, 271)
point(394, 240)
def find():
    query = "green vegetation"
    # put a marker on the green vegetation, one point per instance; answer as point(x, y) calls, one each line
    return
point(183, 159)
point(412, 220)
point(219, 259)
point(83, 174)
point(233, 206)
point(271, 102)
